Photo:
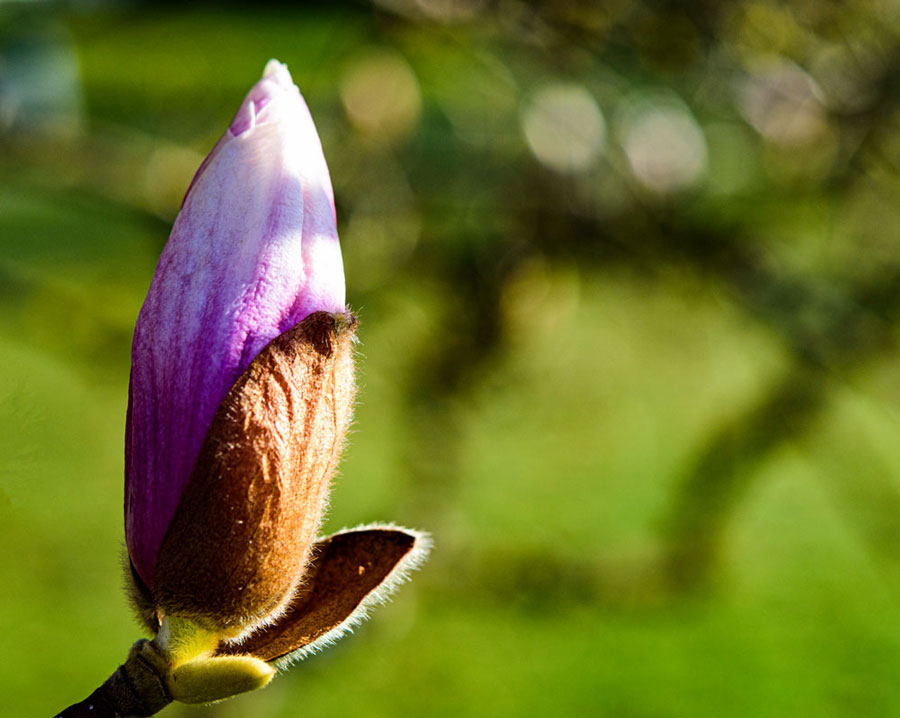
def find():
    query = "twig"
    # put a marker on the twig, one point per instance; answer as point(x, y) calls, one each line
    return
point(136, 689)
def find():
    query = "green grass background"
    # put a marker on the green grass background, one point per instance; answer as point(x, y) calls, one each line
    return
point(544, 593)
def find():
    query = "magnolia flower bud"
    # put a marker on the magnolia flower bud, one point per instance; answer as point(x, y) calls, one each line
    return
point(253, 251)
point(240, 396)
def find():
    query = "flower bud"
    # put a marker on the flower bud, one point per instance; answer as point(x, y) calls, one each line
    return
point(241, 392)
point(253, 251)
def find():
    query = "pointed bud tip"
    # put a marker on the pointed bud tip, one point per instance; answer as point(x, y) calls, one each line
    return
point(275, 80)
point(278, 73)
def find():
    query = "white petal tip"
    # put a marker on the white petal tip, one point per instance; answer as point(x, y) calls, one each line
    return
point(278, 72)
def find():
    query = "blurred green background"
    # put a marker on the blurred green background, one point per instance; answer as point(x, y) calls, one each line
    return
point(628, 276)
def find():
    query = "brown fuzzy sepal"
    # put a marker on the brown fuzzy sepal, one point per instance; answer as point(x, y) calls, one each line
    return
point(241, 537)
point(350, 572)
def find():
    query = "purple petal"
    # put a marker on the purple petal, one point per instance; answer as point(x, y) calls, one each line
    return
point(253, 251)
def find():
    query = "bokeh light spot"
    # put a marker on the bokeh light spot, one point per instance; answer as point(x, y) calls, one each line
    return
point(783, 103)
point(665, 147)
point(564, 127)
point(381, 96)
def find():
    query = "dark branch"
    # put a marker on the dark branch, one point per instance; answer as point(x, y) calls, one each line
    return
point(136, 690)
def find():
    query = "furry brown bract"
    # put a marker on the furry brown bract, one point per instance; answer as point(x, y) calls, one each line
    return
point(240, 540)
point(350, 572)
